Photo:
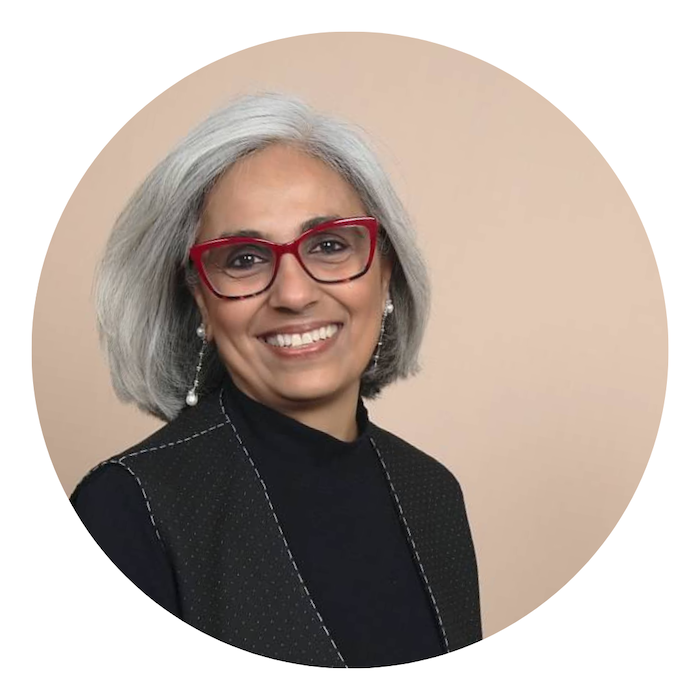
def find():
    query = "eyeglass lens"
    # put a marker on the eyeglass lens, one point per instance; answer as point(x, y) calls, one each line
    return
point(331, 255)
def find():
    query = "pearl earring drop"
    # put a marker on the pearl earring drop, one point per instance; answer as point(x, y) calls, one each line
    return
point(388, 309)
point(191, 399)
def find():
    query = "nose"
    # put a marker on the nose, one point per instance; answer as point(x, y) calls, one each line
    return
point(293, 289)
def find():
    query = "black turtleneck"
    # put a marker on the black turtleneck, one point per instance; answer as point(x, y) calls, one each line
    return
point(337, 514)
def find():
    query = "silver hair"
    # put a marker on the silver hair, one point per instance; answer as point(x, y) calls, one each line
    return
point(147, 316)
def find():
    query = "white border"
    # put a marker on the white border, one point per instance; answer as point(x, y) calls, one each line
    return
point(626, 74)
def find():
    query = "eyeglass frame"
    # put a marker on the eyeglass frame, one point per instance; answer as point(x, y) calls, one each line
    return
point(280, 249)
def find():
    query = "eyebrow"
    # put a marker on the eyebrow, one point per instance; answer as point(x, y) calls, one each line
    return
point(252, 233)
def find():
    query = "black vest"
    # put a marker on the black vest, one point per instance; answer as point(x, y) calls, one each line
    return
point(236, 575)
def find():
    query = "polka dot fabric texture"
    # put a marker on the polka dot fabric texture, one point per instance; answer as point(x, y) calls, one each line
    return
point(430, 504)
point(235, 574)
point(235, 577)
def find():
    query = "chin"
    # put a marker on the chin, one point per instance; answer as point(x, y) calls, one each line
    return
point(312, 389)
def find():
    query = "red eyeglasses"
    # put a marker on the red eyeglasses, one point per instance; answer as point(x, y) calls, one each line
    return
point(235, 267)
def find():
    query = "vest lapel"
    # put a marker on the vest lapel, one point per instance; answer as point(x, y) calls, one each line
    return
point(236, 576)
point(430, 506)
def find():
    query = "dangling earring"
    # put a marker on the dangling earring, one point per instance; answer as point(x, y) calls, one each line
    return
point(192, 398)
point(388, 309)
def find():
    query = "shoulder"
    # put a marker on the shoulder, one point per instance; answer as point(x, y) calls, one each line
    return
point(106, 484)
point(191, 424)
point(405, 461)
point(115, 511)
point(181, 441)
point(112, 506)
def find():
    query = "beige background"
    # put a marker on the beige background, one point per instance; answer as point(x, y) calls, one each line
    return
point(545, 358)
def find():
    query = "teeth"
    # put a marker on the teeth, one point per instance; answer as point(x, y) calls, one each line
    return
point(296, 340)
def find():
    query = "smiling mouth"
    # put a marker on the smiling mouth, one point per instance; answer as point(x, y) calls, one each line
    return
point(300, 340)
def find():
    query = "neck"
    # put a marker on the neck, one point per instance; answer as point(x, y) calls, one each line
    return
point(339, 421)
point(335, 416)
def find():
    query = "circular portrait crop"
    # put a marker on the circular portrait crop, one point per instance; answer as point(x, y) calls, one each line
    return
point(366, 351)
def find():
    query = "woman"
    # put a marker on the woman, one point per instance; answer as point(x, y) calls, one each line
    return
point(260, 282)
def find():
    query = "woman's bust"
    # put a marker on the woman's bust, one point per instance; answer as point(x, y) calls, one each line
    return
point(262, 281)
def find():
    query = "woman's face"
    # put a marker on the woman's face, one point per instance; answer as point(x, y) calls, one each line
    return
point(276, 192)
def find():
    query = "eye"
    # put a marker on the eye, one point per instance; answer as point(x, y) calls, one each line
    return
point(244, 257)
point(328, 246)
point(238, 261)
point(243, 261)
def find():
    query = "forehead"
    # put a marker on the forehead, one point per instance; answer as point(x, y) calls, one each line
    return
point(273, 191)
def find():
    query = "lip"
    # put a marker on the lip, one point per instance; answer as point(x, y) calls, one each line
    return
point(307, 351)
point(299, 328)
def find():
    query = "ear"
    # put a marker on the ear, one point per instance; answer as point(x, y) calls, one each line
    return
point(385, 269)
point(201, 301)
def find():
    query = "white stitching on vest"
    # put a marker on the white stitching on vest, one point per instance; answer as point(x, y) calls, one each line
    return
point(145, 498)
point(413, 544)
point(279, 527)
point(153, 449)
point(176, 442)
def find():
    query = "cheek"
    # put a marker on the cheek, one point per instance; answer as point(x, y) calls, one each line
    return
point(229, 324)
point(365, 311)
